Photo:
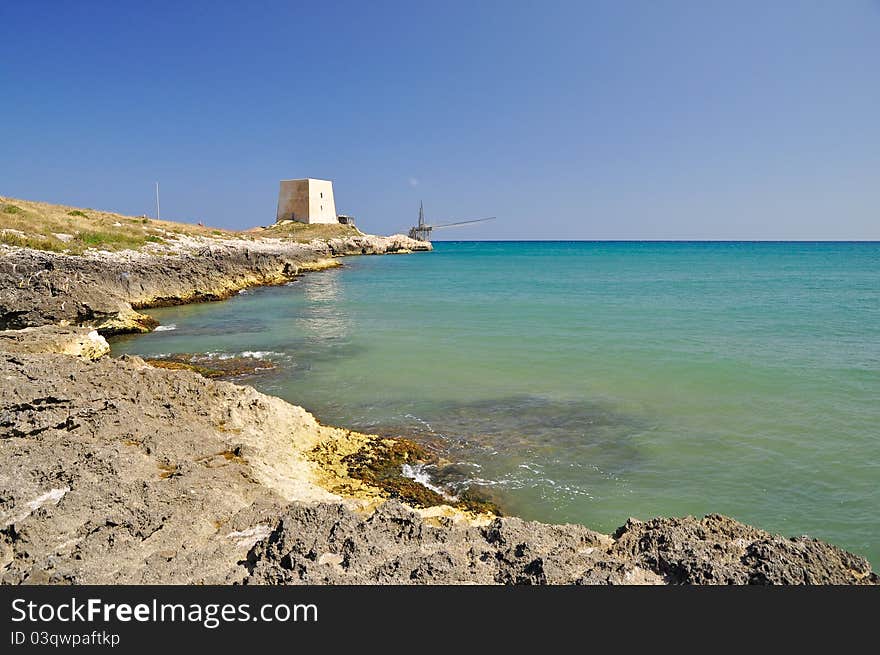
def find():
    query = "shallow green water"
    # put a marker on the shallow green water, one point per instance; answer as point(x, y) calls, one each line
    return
point(589, 382)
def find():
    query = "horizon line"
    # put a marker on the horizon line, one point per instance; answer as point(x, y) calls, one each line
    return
point(655, 241)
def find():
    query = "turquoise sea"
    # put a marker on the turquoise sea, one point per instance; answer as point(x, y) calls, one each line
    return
point(592, 381)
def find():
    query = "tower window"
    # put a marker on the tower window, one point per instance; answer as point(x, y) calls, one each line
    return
point(322, 194)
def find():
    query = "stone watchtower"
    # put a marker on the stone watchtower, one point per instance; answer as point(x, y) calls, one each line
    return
point(307, 201)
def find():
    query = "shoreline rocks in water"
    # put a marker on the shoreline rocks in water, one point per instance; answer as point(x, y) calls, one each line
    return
point(217, 368)
point(116, 471)
point(105, 289)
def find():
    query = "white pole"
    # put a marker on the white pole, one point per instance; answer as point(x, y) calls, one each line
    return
point(158, 216)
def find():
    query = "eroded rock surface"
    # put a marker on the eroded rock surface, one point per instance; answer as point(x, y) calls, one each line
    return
point(80, 342)
point(114, 471)
point(103, 289)
point(328, 544)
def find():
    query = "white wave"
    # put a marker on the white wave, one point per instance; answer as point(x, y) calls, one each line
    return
point(483, 482)
point(253, 354)
point(260, 354)
point(166, 328)
point(417, 472)
point(420, 420)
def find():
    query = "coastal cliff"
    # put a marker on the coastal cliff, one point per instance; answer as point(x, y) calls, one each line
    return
point(113, 470)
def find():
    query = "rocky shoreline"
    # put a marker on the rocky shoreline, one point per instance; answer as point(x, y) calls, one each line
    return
point(116, 471)
point(104, 289)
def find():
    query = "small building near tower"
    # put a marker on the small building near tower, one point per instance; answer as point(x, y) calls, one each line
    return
point(306, 201)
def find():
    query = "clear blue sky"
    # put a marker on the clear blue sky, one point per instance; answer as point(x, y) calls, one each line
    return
point(568, 120)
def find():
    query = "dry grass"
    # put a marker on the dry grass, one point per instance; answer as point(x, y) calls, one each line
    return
point(60, 228)
point(303, 233)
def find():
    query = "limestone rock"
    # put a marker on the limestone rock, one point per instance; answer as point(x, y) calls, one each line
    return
point(80, 342)
point(103, 289)
point(112, 471)
point(329, 544)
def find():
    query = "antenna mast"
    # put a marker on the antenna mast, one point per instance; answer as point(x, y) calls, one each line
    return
point(158, 216)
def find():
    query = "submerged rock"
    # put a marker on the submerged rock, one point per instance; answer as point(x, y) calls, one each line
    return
point(221, 368)
point(382, 463)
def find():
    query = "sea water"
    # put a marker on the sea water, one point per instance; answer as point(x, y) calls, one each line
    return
point(589, 382)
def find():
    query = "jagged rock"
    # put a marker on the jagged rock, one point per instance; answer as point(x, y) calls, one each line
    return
point(719, 550)
point(328, 544)
point(80, 342)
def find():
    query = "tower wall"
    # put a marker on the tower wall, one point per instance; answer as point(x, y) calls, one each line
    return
point(307, 201)
point(322, 206)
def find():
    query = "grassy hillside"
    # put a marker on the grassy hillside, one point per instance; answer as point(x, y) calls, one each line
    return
point(73, 230)
point(303, 232)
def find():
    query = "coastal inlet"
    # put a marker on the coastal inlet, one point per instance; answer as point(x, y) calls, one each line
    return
point(588, 382)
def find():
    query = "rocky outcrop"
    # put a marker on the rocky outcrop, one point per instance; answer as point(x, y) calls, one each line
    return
point(104, 289)
point(719, 550)
point(328, 544)
point(79, 342)
point(117, 472)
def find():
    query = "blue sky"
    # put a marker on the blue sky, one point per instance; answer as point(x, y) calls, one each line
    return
point(568, 120)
